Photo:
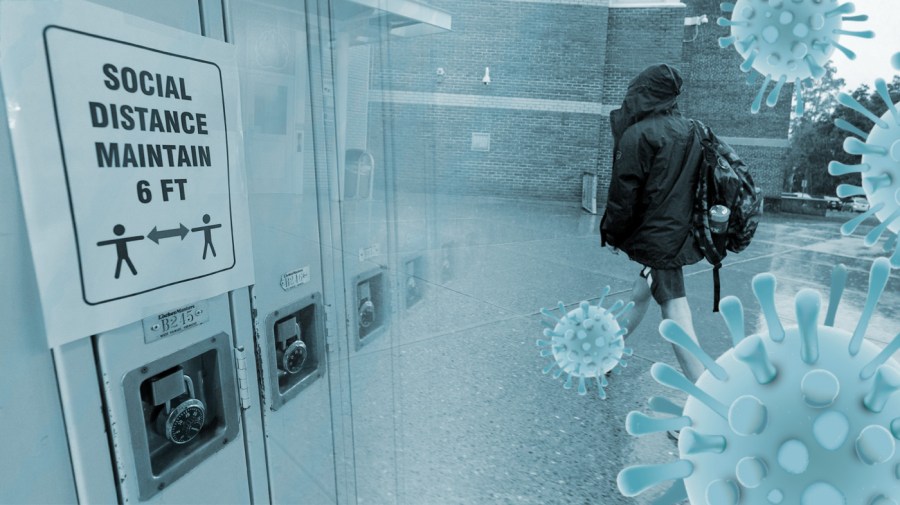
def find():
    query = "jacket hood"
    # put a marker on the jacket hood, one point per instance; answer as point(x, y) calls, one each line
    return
point(653, 91)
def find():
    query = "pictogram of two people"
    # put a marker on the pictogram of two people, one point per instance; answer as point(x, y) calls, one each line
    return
point(121, 242)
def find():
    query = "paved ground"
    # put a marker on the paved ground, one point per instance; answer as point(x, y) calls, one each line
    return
point(451, 406)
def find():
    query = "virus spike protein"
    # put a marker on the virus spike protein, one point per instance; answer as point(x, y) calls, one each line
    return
point(787, 41)
point(880, 168)
point(585, 343)
point(806, 423)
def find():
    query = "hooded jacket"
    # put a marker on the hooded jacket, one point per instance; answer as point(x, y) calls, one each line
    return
point(651, 194)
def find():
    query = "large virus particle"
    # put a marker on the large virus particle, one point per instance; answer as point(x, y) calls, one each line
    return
point(788, 41)
point(805, 415)
point(586, 343)
point(880, 168)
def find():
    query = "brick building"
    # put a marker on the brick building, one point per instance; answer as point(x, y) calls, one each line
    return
point(557, 68)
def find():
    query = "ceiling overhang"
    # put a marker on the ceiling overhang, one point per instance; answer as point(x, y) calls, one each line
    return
point(372, 21)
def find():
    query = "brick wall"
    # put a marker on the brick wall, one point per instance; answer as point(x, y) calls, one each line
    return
point(534, 50)
point(358, 61)
point(636, 39)
point(556, 58)
point(766, 165)
point(716, 92)
point(548, 56)
point(533, 154)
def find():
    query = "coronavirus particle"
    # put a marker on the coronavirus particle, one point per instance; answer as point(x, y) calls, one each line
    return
point(804, 415)
point(585, 343)
point(787, 41)
point(880, 169)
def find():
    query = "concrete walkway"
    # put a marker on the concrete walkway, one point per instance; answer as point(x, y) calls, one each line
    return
point(452, 404)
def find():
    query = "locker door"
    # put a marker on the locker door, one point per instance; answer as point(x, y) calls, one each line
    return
point(367, 246)
point(31, 418)
point(175, 425)
point(376, 265)
point(291, 302)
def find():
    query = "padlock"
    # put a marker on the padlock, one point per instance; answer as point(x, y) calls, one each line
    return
point(182, 423)
point(291, 359)
point(366, 313)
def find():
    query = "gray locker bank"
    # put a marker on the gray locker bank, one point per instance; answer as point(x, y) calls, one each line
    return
point(200, 253)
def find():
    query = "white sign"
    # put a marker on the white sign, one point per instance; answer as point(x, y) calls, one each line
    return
point(127, 146)
point(366, 253)
point(481, 142)
point(291, 280)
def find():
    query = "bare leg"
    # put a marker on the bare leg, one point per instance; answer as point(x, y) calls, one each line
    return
point(640, 295)
point(679, 311)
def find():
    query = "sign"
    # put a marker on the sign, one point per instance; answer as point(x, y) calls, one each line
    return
point(295, 278)
point(175, 321)
point(366, 253)
point(481, 142)
point(126, 139)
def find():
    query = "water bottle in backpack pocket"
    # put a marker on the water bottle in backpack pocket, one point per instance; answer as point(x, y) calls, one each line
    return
point(719, 216)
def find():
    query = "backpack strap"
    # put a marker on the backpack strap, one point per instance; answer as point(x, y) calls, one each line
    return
point(717, 286)
point(700, 129)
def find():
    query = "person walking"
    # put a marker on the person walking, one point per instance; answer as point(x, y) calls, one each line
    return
point(651, 198)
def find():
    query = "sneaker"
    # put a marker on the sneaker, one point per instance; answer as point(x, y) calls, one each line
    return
point(673, 435)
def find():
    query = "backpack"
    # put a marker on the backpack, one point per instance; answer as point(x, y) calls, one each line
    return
point(723, 179)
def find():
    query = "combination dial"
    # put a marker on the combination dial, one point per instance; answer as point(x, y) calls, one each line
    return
point(185, 421)
point(182, 423)
point(292, 358)
point(366, 314)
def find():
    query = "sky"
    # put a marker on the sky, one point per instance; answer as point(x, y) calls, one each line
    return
point(873, 55)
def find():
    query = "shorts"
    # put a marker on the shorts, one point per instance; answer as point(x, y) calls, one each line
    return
point(665, 285)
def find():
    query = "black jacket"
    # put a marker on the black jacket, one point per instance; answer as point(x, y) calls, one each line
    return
point(651, 194)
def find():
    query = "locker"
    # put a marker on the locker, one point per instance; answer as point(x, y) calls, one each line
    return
point(291, 305)
point(158, 410)
point(278, 392)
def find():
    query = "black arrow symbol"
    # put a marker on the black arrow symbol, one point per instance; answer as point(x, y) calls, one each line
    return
point(155, 235)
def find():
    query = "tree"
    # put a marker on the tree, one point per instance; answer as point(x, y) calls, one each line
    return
point(816, 140)
point(821, 97)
